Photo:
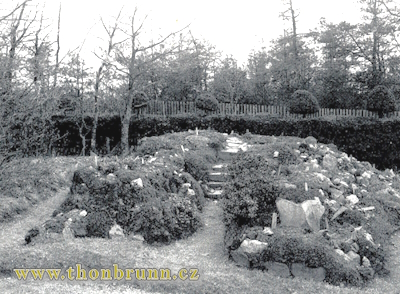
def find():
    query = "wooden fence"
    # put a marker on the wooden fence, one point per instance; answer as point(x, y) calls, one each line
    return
point(167, 108)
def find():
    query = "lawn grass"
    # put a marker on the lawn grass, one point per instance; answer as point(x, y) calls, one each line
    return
point(26, 182)
point(204, 250)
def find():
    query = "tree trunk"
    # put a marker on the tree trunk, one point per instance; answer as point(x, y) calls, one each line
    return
point(125, 125)
point(294, 31)
point(125, 135)
point(94, 129)
point(57, 65)
point(83, 144)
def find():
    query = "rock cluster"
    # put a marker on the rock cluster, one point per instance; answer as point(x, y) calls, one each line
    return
point(340, 185)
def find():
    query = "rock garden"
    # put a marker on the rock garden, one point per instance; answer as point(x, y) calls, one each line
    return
point(293, 207)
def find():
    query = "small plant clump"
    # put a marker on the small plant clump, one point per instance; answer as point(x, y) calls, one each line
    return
point(150, 145)
point(303, 102)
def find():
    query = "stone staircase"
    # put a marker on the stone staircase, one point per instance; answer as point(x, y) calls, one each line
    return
point(218, 175)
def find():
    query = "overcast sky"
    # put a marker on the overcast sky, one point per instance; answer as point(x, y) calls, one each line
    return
point(234, 27)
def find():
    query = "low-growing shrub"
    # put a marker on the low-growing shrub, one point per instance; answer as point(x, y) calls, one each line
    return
point(249, 198)
point(150, 145)
point(199, 194)
point(99, 222)
point(249, 163)
point(299, 195)
point(163, 220)
point(286, 155)
point(310, 249)
point(197, 166)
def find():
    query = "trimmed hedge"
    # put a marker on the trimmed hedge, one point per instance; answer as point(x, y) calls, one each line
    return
point(303, 102)
point(381, 100)
point(367, 139)
point(207, 102)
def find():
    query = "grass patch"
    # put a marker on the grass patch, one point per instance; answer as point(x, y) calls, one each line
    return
point(28, 181)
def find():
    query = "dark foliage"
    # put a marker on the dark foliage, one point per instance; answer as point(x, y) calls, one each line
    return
point(381, 100)
point(207, 102)
point(303, 102)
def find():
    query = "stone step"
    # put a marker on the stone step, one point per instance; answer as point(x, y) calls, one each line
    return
point(215, 194)
point(215, 185)
point(228, 154)
point(234, 140)
point(234, 145)
point(218, 176)
point(219, 167)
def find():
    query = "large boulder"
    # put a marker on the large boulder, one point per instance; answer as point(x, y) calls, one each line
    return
point(330, 162)
point(278, 269)
point(313, 210)
point(253, 246)
point(297, 215)
point(290, 213)
point(300, 270)
point(248, 252)
point(240, 257)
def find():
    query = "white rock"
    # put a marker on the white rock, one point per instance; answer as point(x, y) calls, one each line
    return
point(276, 154)
point(268, 231)
point(321, 177)
point(313, 210)
point(341, 253)
point(188, 185)
point(366, 262)
point(111, 177)
point(289, 186)
point(354, 258)
point(329, 162)
point(116, 231)
point(353, 199)
point(316, 166)
point(138, 182)
point(253, 246)
point(83, 213)
point(368, 236)
point(137, 238)
point(191, 192)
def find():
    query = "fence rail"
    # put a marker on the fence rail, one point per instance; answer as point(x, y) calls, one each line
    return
point(167, 108)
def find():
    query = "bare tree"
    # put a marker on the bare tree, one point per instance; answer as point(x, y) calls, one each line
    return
point(99, 75)
point(292, 17)
point(57, 65)
point(132, 65)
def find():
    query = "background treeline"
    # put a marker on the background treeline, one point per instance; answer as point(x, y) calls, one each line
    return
point(340, 64)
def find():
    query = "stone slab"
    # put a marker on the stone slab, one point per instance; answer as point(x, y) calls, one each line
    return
point(278, 269)
point(300, 270)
